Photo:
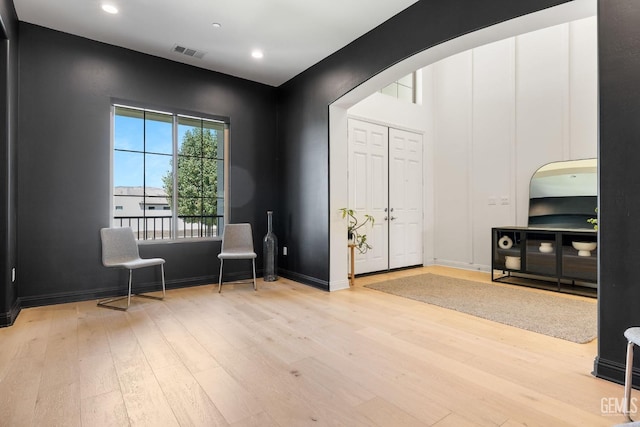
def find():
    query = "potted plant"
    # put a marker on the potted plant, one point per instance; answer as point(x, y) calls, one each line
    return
point(594, 221)
point(353, 230)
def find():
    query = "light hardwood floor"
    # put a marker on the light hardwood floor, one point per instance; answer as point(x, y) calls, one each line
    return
point(291, 355)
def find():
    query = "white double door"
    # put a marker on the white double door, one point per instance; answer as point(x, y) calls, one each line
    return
point(385, 181)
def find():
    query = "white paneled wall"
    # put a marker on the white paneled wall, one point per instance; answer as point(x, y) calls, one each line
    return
point(499, 112)
point(492, 151)
point(452, 118)
point(583, 81)
point(542, 106)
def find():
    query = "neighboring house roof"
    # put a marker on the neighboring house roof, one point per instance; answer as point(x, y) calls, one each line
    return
point(138, 191)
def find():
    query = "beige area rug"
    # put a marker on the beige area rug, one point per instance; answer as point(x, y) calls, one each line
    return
point(543, 312)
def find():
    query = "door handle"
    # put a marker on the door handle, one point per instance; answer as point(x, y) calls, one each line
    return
point(392, 218)
point(385, 218)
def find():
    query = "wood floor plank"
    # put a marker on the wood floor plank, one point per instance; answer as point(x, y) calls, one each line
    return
point(105, 410)
point(19, 391)
point(188, 400)
point(258, 420)
point(186, 347)
point(382, 413)
point(97, 375)
point(231, 398)
point(145, 402)
point(59, 406)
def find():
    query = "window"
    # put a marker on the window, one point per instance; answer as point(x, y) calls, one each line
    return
point(157, 152)
point(403, 89)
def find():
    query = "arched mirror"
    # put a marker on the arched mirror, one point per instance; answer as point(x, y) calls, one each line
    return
point(564, 194)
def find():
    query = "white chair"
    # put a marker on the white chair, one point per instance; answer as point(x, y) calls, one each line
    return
point(633, 337)
point(120, 249)
point(237, 243)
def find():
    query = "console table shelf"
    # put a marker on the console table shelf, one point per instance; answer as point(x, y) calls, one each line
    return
point(528, 256)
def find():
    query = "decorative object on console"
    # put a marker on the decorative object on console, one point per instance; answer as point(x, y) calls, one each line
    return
point(584, 248)
point(594, 221)
point(270, 251)
point(505, 242)
point(512, 262)
point(546, 247)
point(564, 194)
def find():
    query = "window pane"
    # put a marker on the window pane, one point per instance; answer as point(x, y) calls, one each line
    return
point(189, 137)
point(407, 80)
point(209, 207)
point(209, 178)
point(209, 218)
point(189, 177)
point(220, 206)
point(220, 178)
point(405, 93)
point(158, 133)
point(128, 129)
point(189, 208)
point(125, 203)
point(128, 169)
point(158, 172)
point(158, 204)
point(213, 139)
point(391, 90)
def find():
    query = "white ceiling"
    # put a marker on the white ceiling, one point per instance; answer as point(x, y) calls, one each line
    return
point(294, 34)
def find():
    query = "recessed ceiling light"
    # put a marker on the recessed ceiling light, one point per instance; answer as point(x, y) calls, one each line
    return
point(109, 8)
point(257, 53)
point(216, 25)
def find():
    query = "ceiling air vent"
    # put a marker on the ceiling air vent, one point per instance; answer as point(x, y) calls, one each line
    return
point(188, 51)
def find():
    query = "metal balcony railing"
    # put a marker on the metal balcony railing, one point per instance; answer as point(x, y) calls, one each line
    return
point(161, 227)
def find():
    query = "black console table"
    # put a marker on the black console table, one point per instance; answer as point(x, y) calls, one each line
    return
point(534, 256)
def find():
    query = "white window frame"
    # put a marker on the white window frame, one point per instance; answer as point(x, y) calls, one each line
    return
point(175, 143)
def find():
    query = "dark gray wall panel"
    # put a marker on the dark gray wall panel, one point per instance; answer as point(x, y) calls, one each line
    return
point(619, 156)
point(66, 87)
point(9, 305)
point(304, 114)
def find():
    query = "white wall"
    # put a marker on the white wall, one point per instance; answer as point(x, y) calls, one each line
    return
point(490, 117)
point(492, 152)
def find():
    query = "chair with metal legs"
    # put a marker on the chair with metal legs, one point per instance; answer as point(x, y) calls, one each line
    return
point(237, 243)
point(120, 250)
point(633, 338)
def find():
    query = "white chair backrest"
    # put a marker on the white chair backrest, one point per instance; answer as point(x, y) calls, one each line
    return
point(118, 245)
point(237, 237)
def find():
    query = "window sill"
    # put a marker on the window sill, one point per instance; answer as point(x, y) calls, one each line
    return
point(179, 241)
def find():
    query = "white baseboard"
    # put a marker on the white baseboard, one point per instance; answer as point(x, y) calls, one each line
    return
point(338, 285)
point(462, 265)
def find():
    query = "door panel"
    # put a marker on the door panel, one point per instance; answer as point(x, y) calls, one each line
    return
point(368, 190)
point(405, 199)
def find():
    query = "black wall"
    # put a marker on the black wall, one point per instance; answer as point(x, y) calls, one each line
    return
point(66, 87)
point(303, 123)
point(9, 307)
point(619, 156)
